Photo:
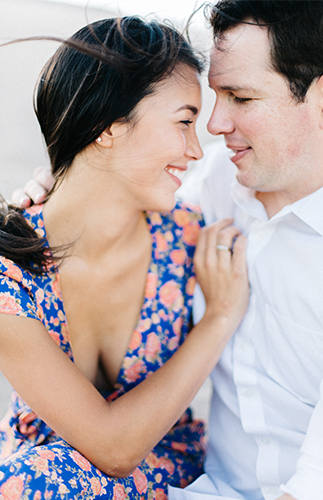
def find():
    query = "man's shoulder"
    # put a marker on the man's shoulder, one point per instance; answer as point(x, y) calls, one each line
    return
point(215, 168)
point(216, 162)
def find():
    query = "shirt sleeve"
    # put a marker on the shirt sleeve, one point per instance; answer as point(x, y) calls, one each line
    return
point(307, 483)
point(16, 285)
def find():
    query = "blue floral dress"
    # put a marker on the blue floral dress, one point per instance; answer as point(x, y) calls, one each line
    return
point(35, 462)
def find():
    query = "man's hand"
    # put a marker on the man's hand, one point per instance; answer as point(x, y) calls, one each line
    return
point(35, 191)
point(286, 497)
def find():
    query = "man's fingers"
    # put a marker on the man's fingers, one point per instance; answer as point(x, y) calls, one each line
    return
point(43, 176)
point(35, 191)
point(20, 199)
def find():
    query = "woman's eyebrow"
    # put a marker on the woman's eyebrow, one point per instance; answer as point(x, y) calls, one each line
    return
point(188, 106)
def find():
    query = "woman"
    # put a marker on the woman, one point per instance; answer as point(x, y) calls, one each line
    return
point(97, 348)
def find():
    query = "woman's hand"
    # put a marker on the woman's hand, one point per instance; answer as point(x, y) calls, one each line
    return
point(221, 271)
point(36, 190)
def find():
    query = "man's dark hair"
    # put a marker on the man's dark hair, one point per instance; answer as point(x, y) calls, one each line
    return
point(295, 29)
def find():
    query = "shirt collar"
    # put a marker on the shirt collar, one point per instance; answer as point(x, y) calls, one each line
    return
point(309, 209)
point(245, 199)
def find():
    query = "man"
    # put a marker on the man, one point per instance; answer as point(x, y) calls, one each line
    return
point(266, 423)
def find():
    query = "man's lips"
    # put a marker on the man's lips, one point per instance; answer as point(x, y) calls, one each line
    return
point(237, 153)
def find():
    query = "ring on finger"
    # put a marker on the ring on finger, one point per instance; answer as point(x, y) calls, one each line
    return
point(223, 247)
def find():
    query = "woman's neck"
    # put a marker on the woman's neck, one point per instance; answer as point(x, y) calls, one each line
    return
point(93, 215)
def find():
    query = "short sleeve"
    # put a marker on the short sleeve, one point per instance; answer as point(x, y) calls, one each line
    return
point(16, 286)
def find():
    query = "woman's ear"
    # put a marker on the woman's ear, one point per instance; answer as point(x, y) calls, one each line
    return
point(105, 140)
point(115, 130)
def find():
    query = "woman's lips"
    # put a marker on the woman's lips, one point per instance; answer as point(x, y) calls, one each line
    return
point(176, 173)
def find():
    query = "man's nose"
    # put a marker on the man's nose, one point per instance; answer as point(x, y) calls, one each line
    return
point(220, 121)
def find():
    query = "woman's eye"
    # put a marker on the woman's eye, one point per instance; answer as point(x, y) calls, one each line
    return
point(187, 122)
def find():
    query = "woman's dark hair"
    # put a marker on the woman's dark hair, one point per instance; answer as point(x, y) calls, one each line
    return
point(95, 78)
point(295, 29)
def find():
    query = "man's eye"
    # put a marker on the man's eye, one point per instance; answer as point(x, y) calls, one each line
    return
point(241, 100)
point(187, 122)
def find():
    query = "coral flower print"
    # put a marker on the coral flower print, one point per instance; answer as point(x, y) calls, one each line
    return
point(169, 293)
point(182, 218)
point(95, 485)
point(119, 492)
point(179, 446)
point(12, 270)
point(152, 346)
point(135, 340)
point(178, 256)
point(140, 481)
point(152, 460)
point(12, 489)
point(132, 373)
point(46, 454)
point(190, 234)
point(190, 286)
point(160, 494)
point(161, 242)
point(9, 305)
point(177, 326)
point(39, 464)
point(151, 285)
point(80, 460)
point(173, 343)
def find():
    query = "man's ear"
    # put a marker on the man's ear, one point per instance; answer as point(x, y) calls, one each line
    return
point(319, 84)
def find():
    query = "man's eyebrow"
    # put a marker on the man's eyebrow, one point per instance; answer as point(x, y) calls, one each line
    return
point(189, 107)
point(237, 88)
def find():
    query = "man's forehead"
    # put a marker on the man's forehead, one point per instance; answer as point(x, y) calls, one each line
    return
point(244, 50)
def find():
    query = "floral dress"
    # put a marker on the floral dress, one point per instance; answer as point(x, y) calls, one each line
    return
point(35, 462)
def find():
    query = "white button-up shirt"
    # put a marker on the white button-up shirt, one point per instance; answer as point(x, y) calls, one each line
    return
point(266, 422)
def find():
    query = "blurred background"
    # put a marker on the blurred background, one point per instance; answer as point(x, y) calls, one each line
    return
point(21, 145)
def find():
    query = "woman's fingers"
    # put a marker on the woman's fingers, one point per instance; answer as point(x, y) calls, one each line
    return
point(239, 253)
point(215, 244)
point(220, 265)
point(207, 239)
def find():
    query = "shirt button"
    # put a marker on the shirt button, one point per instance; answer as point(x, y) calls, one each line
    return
point(244, 346)
point(265, 440)
point(260, 234)
point(249, 393)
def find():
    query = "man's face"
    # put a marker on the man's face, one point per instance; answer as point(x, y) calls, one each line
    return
point(272, 137)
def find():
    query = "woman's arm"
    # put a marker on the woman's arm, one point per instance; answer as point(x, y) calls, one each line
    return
point(117, 436)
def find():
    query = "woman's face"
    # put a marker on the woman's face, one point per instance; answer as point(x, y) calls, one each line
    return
point(150, 155)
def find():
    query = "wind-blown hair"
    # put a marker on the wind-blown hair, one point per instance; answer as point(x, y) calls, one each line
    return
point(96, 77)
point(295, 30)
point(82, 92)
